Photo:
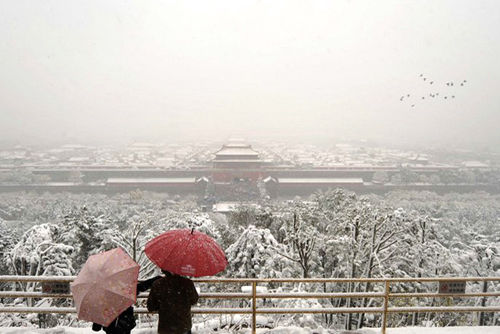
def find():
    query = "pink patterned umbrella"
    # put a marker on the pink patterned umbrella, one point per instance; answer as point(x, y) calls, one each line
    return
point(106, 286)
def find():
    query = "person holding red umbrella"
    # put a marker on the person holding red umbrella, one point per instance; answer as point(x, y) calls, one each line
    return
point(186, 252)
point(125, 322)
point(180, 252)
point(172, 297)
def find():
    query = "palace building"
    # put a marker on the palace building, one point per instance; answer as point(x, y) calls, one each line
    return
point(236, 162)
point(234, 172)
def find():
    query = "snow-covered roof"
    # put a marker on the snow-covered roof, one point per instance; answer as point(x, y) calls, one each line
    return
point(236, 151)
point(59, 184)
point(319, 180)
point(74, 146)
point(269, 179)
point(143, 145)
point(239, 160)
point(475, 164)
point(120, 180)
point(224, 207)
point(78, 159)
point(203, 178)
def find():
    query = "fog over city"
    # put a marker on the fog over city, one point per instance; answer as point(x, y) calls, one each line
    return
point(249, 167)
point(122, 71)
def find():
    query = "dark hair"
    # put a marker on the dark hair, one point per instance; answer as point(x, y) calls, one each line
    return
point(167, 273)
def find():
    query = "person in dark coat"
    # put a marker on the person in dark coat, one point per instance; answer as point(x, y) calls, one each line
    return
point(172, 296)
point(124, 323)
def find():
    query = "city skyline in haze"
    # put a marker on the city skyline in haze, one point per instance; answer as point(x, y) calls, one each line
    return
point(116, 71)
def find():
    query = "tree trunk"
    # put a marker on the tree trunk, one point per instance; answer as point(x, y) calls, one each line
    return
point(134, 249)
point(414, 320)
point(482, 318)
point(368, 274)
point(353, 273)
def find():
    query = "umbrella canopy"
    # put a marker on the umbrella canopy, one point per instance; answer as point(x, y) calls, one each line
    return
point(186, 252)
point(106, 286)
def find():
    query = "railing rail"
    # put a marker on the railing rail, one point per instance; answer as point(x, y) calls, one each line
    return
point(384, 310)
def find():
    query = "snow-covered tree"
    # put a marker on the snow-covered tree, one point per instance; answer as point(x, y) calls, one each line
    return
point(255, 255)
point(7, 241)
point(199, 221)
point(480, 257)
point(56, 259)
point(26, 256)
point(40, 251)
point(88, 234)
point(133, 239)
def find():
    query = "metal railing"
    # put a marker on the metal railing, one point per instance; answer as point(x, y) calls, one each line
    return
point(385, 309)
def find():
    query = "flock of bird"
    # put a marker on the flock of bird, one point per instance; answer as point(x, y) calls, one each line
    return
point(448, 94)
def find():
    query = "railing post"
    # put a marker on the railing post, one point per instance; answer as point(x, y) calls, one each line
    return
point(387, 290)
point(254, 307)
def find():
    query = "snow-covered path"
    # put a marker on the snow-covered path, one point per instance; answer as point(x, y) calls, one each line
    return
point(280, 330)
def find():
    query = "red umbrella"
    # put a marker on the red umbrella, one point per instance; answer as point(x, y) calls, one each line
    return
point(186, 252)
point(105, 286)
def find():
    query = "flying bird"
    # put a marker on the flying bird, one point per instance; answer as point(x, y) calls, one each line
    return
point(433, 95)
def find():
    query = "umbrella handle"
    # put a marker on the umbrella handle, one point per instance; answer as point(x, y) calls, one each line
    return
point(192, 230)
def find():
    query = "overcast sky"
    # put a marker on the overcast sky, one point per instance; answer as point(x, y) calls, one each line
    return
point(133, 70)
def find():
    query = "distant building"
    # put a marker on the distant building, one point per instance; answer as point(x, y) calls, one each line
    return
point(237, 155)
point(180, 185)
point(236, 172)
point(418, 160)
point(236, 162)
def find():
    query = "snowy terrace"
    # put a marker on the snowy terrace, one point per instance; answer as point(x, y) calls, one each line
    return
point(252, 308)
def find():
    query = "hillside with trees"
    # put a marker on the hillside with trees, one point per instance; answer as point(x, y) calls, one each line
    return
point(335, 234)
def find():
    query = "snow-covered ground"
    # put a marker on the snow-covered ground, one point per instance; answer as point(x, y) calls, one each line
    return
point(279, 330)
